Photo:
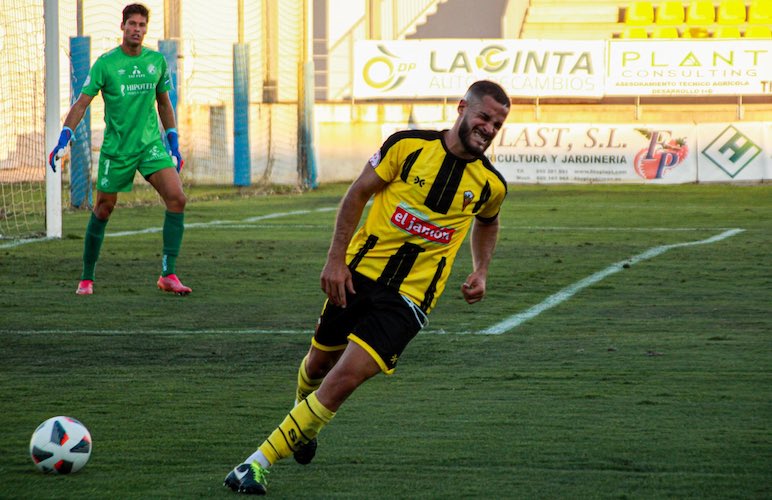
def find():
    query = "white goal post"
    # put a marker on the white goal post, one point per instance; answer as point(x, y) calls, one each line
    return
point(53, 127)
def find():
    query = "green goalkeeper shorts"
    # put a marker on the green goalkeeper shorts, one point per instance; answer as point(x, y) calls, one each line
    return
point(116, 174)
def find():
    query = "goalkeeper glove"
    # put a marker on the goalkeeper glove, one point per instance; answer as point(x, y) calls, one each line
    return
point(58, 150)
point(174, 145)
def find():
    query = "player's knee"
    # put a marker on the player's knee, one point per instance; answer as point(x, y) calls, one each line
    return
point(319, 363)
point(103, 210)
point(176, 202)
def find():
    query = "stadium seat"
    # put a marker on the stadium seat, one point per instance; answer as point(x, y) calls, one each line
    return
point(758, 31)
point(665, 32)
point(700, 13)
point(699, 16)
point(731, 12)
point(636, 32)
point(670, 13)
point(760, 12)
point(727, 32)
point(640, 13)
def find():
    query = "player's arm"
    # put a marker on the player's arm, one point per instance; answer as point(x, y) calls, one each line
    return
point(336, 277)
point(166, 110)
point(166, 113)
point(483, 243)
point(75, 115)
point(73, 118)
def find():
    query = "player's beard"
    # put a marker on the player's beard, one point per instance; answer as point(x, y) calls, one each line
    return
point(464, 134)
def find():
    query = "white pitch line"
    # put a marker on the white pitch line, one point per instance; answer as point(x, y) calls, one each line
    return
point(256, 218)
point(18, 243)
point(626, 229)
point(566, 293)
point(189, 225)
point(276, 215)
point(497, 329)
point(214, 331)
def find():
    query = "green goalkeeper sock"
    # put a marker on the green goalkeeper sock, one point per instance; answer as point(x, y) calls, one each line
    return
point(92, 244)
point(174, 226)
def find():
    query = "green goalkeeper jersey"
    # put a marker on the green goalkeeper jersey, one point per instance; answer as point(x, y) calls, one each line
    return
point(129, 85)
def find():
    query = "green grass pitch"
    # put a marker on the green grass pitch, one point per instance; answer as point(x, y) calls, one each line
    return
point(652, 382)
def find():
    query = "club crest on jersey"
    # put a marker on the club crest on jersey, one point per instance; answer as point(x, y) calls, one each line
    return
point(468, 198)
point(375, 159)
point(418, 226)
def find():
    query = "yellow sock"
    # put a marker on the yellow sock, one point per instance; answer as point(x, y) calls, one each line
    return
point(301, 426)
point(306, 385)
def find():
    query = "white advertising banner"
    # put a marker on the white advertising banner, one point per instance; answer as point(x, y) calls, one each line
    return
point(689, 67)
point(590, 153)
point(446, 68)
point(628, 154)
point(386, 69)
point(734, 151)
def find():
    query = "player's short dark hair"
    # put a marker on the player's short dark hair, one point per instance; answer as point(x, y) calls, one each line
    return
point(135, 8)
point(481, 88)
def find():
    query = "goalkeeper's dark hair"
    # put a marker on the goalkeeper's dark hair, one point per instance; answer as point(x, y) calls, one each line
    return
point(135, 8)
point(481, 88)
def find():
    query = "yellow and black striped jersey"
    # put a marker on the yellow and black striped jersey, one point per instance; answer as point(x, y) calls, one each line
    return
point(417, 223)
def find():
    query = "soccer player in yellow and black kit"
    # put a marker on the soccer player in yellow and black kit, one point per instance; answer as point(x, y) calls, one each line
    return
point(132, 79)
point(429, 189)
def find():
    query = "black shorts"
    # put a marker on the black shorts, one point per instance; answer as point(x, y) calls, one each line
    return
point(376, 317)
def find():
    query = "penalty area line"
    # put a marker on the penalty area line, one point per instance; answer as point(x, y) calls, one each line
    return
point(566, 293)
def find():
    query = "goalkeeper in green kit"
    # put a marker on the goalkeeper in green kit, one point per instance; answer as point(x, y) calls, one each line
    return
point(132, 79)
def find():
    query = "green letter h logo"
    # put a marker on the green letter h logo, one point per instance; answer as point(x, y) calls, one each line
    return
point(731, 151)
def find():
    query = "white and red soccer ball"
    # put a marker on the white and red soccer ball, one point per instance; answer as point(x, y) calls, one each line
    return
point(61, 445)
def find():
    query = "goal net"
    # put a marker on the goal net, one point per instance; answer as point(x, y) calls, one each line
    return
point(270, 34)
point(22, 120)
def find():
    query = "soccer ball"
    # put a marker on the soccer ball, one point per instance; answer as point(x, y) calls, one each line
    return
point(60, 445)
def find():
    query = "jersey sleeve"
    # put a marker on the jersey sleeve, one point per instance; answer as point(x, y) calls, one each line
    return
point(491, 208)
point(386, 161)
point(490, 212)
point(165, 82)
point(95, 80)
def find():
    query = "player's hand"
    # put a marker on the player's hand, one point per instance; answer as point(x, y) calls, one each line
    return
point(473, 289)
point(58, 151)
point(174, 144)
point(336, 281)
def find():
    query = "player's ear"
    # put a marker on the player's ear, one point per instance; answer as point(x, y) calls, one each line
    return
point(462, 106)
